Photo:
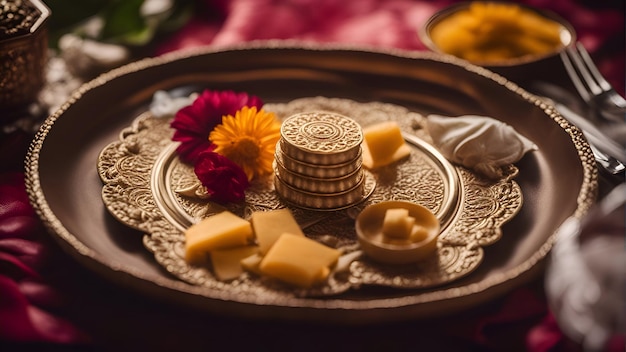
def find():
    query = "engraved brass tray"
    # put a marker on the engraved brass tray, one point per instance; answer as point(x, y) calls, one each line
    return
point(557, 181)
point(148, 188)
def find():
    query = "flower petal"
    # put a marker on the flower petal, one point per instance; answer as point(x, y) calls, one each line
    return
point(225, 181)
point(194, 123)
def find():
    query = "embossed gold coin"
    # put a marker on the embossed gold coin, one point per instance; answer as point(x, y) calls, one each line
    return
point(322, 138)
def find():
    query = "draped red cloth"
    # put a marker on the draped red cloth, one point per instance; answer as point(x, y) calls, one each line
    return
point(46, 299)
point(384, 24)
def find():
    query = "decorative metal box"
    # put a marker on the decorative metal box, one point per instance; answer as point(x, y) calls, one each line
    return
point(23, 51)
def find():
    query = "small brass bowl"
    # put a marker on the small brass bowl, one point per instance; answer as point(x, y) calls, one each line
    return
point(521, 69)
point(318, 171)
point(492, 36)
point(369, 224)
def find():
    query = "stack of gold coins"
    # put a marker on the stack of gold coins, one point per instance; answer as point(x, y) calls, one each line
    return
point(318, 161)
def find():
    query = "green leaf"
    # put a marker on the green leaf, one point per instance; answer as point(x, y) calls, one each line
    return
point(123, 21)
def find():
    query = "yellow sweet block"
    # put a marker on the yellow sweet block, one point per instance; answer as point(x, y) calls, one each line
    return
point(269, 225)
point(252, 263)
point(383, 139)
point(227, 262)
point(322, 275)
point(419, 233)
point(383, 144)
point(222, 230)
point(299, 260)
point(397, 223)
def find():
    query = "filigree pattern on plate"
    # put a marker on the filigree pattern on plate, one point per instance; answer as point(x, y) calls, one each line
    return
point(148, 188)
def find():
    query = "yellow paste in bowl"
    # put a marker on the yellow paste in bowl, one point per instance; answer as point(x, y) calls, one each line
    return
point(491, 32)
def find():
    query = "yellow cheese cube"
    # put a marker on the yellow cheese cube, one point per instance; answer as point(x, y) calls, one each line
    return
point(269, 225)
point(383, 139)
point(322, 275)
point(299, 260)
point(397, 223)
point(222, 230)
point(227, 262)
point(383, 144)
point(252, 263)
point(419, 233)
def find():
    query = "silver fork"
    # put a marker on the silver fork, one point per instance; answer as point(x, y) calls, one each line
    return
point(591, 85)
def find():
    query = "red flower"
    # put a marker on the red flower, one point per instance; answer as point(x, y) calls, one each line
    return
point(193, 123)
point(225, 181)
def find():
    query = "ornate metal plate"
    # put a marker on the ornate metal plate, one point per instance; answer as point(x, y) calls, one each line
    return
point(148, 188)
point(557, 181)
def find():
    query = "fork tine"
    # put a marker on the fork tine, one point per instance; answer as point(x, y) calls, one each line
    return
point(593, 69)
point(592, 87)
point(568, 56)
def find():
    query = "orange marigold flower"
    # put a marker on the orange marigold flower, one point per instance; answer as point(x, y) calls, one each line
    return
point(248, 139)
